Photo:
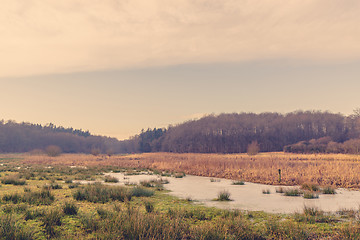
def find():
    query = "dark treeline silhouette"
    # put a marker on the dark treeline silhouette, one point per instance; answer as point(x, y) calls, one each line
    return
point(24, 137)
point(232, 133)
point(300, 131)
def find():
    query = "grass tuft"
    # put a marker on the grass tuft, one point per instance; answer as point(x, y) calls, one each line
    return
point(223, 196)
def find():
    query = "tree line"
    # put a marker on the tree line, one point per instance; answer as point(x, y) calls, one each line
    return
point(25, 137)
point(233, 133)
point(299, 131)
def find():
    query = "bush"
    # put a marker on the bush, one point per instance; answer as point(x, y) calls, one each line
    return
point(310, 195)
point(51, 219)
point(328, 190)
point(253, 148)
point(14, 179)
point(310, 187)
point(52, 186)
point(292, 192)
point(141, 192)
point(158, 183)
point(238, 183)
point(149, 206)
point(103, 213)
point(68, 181)
point(35, 198)
point(14, 198)
point(111, 179)
point(70, 209)
point(10, 229)
point(102, 193)
point(279, 190)
point(95, 151)
point(74, 185)
point(53, 151)
point(33, 214)
point(266, 191)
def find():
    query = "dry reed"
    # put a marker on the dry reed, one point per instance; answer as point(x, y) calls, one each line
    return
point(338, 170)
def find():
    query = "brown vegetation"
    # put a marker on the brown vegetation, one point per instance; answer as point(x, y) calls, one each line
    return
point(338, 170)
point(53, 151)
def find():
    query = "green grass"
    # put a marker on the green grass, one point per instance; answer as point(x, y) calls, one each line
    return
point(238, 183)
point(101, 193)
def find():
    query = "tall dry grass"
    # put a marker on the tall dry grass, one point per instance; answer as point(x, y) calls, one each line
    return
point(339, 170)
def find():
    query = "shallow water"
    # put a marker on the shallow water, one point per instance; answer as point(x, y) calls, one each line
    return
point(248, 196)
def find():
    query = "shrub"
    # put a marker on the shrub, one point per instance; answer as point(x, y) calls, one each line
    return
point(328, 190)
point(53, 151)
point(89, 222)
point(103, 213)
point(44, 197)
point(51, 219)
point(14, 179)
point(253, 148)
point(312, 211)
point(102, 193)
point(158, 183)
point(313, 215)
point(14, 198)
point(111, 179)
point(223, 196)
point(292, 192)
point(149, 206)
point(310, 195)
point(141, 192)
point(74, 185)
point(70, 208)
point(214, 180)
point(310, 187)
point(95, 151)
point(52, 186)
point(10, 229)
point(33, 214)
point(36, 152)
point(68, 181)
point(266, 191)
point(179, 175)
point(238, 183)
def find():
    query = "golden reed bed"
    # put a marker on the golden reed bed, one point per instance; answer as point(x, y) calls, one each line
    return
point(339, 170)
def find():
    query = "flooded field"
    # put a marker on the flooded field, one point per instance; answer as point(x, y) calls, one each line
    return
point(248, 196)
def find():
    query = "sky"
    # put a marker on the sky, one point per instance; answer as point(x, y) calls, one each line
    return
point(114, 67)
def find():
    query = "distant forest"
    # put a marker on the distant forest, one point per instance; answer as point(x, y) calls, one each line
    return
point(25, 137)
point(300, 131)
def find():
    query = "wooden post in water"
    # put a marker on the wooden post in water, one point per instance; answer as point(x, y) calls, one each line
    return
point(279, 175)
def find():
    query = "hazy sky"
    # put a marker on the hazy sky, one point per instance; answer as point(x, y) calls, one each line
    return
point(116, 66)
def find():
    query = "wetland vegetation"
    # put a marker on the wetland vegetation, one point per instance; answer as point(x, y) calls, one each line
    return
point(51, 204)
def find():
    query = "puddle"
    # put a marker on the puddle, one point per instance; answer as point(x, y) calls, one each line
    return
point(248, 196)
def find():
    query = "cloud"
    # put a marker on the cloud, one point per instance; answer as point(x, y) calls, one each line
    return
point(49, 36)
